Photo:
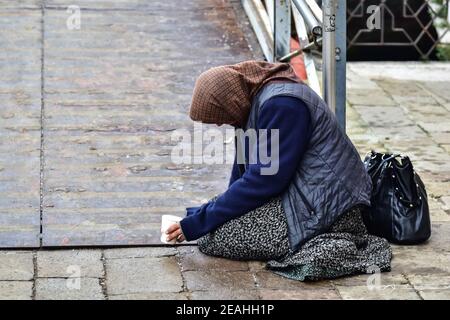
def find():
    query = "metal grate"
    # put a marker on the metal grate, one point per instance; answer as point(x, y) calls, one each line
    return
point(401, 30)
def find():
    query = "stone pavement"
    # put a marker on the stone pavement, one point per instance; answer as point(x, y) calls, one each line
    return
point(84, 154)
point(392, 107)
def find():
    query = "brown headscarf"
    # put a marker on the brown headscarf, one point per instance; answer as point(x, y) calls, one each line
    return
point(223, 95)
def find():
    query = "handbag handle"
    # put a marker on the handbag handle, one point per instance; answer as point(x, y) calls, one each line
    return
point(393, 156)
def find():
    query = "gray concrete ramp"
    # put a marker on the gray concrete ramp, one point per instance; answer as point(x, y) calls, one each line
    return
point(20, 129)
point(110, 94)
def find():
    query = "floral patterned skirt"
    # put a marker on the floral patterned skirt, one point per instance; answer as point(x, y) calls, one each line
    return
point(262, 234)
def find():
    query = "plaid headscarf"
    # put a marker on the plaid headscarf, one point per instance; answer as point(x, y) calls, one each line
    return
point(223, 95)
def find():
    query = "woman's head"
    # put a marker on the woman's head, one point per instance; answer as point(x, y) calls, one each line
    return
point(223, 95)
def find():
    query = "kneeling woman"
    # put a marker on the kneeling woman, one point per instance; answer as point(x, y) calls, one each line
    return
point(304, 217)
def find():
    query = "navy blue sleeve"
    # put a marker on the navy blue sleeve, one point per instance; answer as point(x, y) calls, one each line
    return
point(235, 174)
point(252, 190)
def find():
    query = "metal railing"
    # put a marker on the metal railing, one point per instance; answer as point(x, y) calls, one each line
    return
point(316, 28)
point(422, 24)
point(412, 28)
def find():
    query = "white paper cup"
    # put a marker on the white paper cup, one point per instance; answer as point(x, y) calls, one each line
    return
point(166, 221)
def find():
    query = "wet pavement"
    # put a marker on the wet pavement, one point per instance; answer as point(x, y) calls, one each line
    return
point(87, 116)
point(86, 119)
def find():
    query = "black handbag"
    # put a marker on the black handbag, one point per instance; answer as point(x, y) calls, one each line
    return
point(399, 206)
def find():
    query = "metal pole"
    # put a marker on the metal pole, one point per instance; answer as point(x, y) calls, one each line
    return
point(260, 22)
point(270, 7)
point(314, 26)
point(302, 32)
point(298, 52)
point(341, 62)
point(282, 28)
point(314, 7)
point(329, 53)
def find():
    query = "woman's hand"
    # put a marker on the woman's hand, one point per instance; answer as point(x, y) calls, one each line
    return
point(174, 232)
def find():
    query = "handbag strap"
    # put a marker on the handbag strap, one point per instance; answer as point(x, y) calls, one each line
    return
point(383, 161)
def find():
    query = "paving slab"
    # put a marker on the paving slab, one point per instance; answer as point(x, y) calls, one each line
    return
point(442, 138)
point(430, 285)
point(375, 97)
point(320, 294)
point(438, 213)
point(437, 243)
point(16, 265)
point(220, 281)
point(435, 294)
point(384, 279)
point(225, 294)
point(412, 71)
point(410, 90)
point(147, 252)
point(270, 280)
point(398, 292)
point(383, 116)
point(192, 259)
point(442, 126)
point(22, 4)
point(446, 147)
point(68, 289)
point(438, 88)
point(256, 266)
point(446, 203)
point(150, 296)
point(438, 189)
point(416, 260)
point(64, 263)
point(396, 137)
point(143, 276)
point(16, 290)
